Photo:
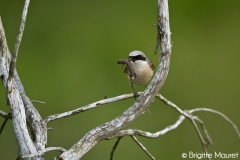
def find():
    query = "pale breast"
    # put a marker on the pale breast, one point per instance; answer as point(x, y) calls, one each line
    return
point(143, 72)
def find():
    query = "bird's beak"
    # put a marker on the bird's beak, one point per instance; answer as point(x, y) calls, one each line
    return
point(130, 59)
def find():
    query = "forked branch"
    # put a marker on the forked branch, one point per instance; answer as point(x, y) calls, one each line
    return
point(90, 139)
point(184, 114)
point(19, 39)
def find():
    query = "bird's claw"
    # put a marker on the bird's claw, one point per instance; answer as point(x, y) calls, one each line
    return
point(135, 94)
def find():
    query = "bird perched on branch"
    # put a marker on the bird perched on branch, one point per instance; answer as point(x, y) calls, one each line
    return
point(142, 68)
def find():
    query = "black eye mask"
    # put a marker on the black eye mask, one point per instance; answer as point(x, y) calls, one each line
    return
point(138, 57)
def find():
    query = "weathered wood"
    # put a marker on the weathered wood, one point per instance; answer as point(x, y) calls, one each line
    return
point(90, 139)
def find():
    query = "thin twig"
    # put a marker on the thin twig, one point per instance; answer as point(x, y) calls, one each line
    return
point(143, 148)
point(114, 147)
point(204, 144)
point(189, 116)
point(50, 129)
point(44, 151)
point(87, 107)
point(192, 118)
point(5, 122)
point(3, 114)
point(18, 40)
point(38, 101)
point(207, 136)
point(133, 132)
point(220, 114)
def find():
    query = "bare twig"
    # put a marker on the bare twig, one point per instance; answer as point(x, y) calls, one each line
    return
point(87, 107)
point(90, 139)
point(207, 136)
point(148, 134)
point(18, 40)
point(5, 122)
point(189, 116)
point(134, 132)
point(184, 114)
point(192, 119)
point(220, 114)
point(143, 148)
point(38, 101)
point(3, 114)
point(114, 147)
point(204, 144)
point(16, 98)
point(50, 129)
point(44, 151)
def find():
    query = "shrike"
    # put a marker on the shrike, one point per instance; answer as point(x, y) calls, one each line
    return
point(143, 69)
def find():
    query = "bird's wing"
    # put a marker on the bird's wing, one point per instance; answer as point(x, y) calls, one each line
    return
point(151, 65)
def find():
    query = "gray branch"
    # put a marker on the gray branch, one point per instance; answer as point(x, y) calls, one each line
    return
point(3, 114)
point(142, 147)
point(87, 107)
point(135, 132)
point(114, 147)
point(18, 40)
point(21, 107)
point(220, 114)
point(23, 112)
point(184, 114)
point(24, 141)
point(90, 139)
point(4, 122)
point(44, 151)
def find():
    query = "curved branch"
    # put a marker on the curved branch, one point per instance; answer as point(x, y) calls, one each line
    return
point(142, 103)
point(134, 132)
point(220, 114)
point(184, 114)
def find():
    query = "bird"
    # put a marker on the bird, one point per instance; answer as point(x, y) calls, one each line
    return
point(143, 69)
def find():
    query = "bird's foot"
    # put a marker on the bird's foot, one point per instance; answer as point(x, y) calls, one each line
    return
point(135, 94)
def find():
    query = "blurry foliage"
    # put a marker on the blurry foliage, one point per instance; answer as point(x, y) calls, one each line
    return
point(68, 59)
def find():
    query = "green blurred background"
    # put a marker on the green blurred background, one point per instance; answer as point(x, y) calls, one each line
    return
point(68, 56)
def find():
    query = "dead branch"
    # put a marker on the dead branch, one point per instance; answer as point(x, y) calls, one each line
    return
point(3, 114)
point(90, 139)
point(5, 122)
point(19, 39)
point(87, 107)
point(44, 151)
point(220, 114)
point(24, 141)
point(142, 147)
point(184, 114)
point(41, 102)
point(22, 109)
point(114, 147)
